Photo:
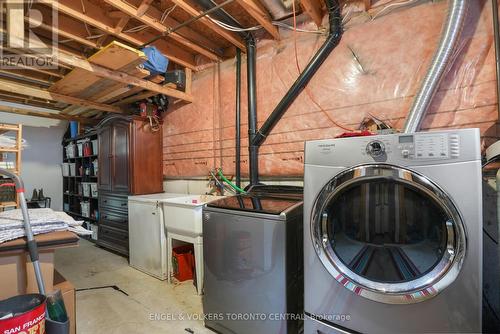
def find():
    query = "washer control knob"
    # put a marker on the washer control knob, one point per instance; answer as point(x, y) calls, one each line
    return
point(375, 148)
point(405, 153)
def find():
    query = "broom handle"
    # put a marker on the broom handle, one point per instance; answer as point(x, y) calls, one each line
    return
point(32, 247)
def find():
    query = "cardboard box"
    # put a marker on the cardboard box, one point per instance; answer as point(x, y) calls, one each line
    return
point(17, 275)
point(69, 297)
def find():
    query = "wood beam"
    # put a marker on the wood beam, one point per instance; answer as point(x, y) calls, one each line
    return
point(189, 81)
point(233, 38)
point(9, 86)
point(66, 27)
point(121, 24)
point(29, 112)
point(157, 25)
point(95, 16)
point(35, 69)
point(143, 7)
point(28, 100)
point(15, 14)
point(184, 31)
point(260, 14)
point(368, 4)
point(313, 9)
point(41, 79)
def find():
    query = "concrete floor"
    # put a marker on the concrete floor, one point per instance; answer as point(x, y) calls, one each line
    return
point(176, 307)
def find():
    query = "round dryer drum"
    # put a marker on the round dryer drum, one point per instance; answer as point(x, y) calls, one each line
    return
point(388, 234)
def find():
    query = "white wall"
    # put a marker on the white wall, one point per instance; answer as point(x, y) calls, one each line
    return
point(42, 158)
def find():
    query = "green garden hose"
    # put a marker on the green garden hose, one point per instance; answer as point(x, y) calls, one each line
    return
point(235, 187)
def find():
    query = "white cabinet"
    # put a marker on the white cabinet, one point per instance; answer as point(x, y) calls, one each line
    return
point(147, 241)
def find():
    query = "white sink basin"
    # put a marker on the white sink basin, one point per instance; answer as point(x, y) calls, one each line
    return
point(183, 214)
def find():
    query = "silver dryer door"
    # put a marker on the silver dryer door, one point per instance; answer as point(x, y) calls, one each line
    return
point(388, 234)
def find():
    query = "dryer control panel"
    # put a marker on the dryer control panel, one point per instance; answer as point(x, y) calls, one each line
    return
point(407, 149)
point(429, 146)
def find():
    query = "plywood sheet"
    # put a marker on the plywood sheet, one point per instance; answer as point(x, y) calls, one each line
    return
point(114, 56)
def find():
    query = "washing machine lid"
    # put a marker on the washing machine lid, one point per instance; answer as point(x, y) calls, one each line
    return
point(388, 234)
point(264, 199)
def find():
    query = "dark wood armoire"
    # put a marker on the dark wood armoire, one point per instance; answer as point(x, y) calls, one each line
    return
point(130, 163)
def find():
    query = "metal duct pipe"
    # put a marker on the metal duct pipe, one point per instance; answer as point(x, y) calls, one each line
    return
point(238, 118)
point(333, 39)
point(442, 58)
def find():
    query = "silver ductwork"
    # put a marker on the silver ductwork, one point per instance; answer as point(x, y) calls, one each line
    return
point(441, 62)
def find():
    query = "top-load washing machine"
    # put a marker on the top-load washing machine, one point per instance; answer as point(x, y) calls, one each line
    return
point(392, 233)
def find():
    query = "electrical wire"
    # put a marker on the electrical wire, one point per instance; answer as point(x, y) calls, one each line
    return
point(397, 5)
point(286, 26)
point(232, 28)
point(167, 12)
point(300, 71)
point(258, 27)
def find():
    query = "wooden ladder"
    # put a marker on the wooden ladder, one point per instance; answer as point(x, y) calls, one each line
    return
point(18, 130)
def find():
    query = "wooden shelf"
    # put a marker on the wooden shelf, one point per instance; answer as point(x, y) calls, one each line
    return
point(8, 149)
point(7, 204)
point(18, 129)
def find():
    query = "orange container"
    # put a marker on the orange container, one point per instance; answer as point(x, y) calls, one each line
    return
point(183, 262)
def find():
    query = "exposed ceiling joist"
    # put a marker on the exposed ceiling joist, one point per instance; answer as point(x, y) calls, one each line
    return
point(66, 27)
point(260, 14)
point(28, 112)
point(313, 9)
point(231, 37)
point(96, 17)
point(12, 87)
point(143, 7)
point(184, 31)
point(157, 25)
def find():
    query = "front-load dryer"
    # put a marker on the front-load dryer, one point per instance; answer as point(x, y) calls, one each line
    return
point(392, 233)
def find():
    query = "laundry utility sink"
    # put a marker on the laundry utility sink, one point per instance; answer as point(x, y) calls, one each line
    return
point(183, 214)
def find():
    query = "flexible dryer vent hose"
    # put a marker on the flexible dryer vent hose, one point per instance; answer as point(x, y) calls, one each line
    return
point(442, 60)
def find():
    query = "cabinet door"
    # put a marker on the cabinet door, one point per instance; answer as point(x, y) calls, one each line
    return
point(121, 142)
point(146, 154)
point(147, 239)
point(105, 156)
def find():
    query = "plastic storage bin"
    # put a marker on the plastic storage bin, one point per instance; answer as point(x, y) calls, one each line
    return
point(96, 167)
point(70, 150)
point(79, 145)
point(183, 262)
point(72, 169)
point(85, 207)
point(93, 189)
point(86, 189)
point(65, 169)
point(95, 147)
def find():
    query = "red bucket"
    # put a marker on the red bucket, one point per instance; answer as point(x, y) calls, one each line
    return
point(23, 314)
point(183, 262)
